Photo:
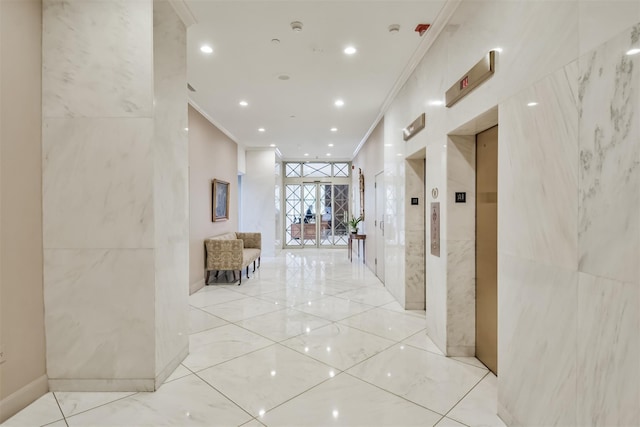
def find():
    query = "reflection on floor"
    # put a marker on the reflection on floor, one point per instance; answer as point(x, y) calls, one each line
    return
point(311, 339)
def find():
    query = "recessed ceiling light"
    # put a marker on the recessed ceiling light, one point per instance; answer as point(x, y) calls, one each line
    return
point(399, 154)
point(187, 129)
point(260, 129)
point(284, 77)
point(328, 154)
point(296, 26)
point(206, 49)
point(339, 103)
point(498, 49)
point(275, 41)
point(334, 129)
point(388, 145)
point(350, 50)
point(436, 103)
point(330, 145)
point(243, 103)
point(532, 104)
point(272, 145)
point(633, 51)
point(306, 154)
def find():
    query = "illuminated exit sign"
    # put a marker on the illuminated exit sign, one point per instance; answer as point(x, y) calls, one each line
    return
point(472, 79)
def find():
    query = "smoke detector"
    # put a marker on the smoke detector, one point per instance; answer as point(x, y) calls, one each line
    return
point(296, 26)
point(394, 28)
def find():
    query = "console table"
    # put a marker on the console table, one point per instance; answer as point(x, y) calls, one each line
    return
point(359, 238)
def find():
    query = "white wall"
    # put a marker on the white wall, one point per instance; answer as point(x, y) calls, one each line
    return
point(258, 190)
point(569, 234)
point(212, 155)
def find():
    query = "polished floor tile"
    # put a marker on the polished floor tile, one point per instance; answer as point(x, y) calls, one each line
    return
point(375, 296)
point(209, 295)
point(338, 345)
point(179, 372)
point(242, 309)
point(332, 308)
point(43, 411)
point(478, 408)
point(218, 345)
point(200, 320)
point(188, 401)
point(73, 403)
point(427, 379)
point(395, 306)
point(347, 401)
point(309, 339)
point(421, 340)
point(283, 324)
point(448, 422)
point(292, 296)
point(386, 323)
point(266, 378)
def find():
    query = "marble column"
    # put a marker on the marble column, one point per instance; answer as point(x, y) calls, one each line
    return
point(114, 194)
point(414, 235)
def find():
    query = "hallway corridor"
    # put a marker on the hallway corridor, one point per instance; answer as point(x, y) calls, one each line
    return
point(310, 340)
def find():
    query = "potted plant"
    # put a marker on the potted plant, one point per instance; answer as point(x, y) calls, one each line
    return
point(353, 223)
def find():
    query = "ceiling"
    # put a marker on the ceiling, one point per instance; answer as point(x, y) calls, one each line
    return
point(297, 114)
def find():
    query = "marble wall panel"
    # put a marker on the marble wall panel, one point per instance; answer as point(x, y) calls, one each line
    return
point(608, 347)
point(461, 298)
point(537, 339)
point(538, 169)
point(171, 189)
point(609, 199)
point(97, 58)
point(97, 183)
point(601, 20)
point(414, 270)
point(99, 322)
point(461, 177)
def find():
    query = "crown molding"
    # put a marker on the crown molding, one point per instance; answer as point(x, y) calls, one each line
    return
point(184, 12)
point(215, 123)
point(439, 24)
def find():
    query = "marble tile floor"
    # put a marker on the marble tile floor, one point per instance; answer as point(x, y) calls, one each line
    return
point(309, 340)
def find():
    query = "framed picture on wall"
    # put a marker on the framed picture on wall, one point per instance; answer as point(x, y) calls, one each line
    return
point(219, 200)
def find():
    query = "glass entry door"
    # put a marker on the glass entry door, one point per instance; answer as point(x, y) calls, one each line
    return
point(316, 214)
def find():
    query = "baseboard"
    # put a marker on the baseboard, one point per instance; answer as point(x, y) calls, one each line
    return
point(20, 399)
point(171, 366)
point(117, 384)
point(414, 305)
point(196, 286)
point(461, 351)
point(505, 416)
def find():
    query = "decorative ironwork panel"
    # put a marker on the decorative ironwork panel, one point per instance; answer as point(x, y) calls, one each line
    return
point(316, 170)
point(341, 169)
point(293, 217)
point(293, 170)
point(309, 223)
point(340, 214)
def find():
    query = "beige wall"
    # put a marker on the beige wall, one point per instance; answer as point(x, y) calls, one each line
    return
point(22, 309)
point(211, 155)
point(370, 160)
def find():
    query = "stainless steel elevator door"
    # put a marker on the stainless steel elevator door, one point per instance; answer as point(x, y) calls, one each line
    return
point(487, 248)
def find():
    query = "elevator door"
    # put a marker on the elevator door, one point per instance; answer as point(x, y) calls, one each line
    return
point(487, 248)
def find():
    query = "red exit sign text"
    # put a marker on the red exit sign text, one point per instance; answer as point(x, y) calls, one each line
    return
point(464, 82)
